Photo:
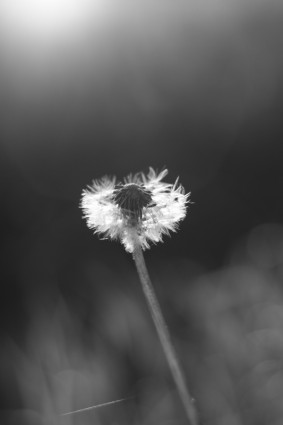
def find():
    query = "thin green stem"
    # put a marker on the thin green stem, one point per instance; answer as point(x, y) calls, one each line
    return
point(164, 335)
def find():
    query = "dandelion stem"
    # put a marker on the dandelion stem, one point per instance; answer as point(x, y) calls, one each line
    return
point(163, 334)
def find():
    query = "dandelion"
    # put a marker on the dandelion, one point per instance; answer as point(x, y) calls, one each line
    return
point(139, 212)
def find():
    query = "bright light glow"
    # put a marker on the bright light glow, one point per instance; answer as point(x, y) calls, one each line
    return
point(47, 19)
point(45, 42)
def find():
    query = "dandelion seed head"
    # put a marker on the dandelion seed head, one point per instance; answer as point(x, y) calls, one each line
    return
point(138, 211)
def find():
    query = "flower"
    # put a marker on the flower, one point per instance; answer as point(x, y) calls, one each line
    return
point(138, 211)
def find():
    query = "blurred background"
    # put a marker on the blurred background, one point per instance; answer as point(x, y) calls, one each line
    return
point(89, 88)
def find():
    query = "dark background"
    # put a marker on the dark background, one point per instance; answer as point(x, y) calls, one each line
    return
point(198, 91)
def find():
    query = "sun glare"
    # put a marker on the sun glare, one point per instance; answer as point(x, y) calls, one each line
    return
point(46, 19)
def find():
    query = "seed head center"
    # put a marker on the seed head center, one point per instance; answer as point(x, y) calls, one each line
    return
point(132, 198)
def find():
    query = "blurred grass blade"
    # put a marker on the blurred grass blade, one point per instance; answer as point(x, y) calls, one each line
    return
point(96, 406)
